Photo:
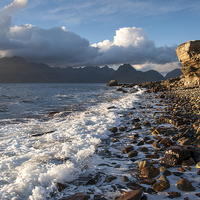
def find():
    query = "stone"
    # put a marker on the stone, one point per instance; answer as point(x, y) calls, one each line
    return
point(132, 154)
point(181, 169)
point(146, 123)
point(172, 195)
point(113, 129)
point(142, 164)
point(132, 195)
point(125, 179)
point(112, 83)
point(140, 143)
point(161, 186)
point(174, 155)
point(149, 172)
point(156, 132)
point(122, 128)
point(110, 178)
point(137, 126)
point(185, 142)
point(147, 181)
point(155, 145)
point(184, 184)
point(144, 149)
point(163, 178)
point(78, 196)
point(166, 142)
point(128, 149)
point(198, 165)
point(166, 173)
point(115, 140)
point(60, 186)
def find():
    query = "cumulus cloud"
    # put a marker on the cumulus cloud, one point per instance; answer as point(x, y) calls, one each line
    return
point(60, 47)
point(134, 46)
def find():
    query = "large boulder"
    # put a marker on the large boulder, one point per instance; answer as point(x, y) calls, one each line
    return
point(189, 55)
point(112, 83)
point(174, 155)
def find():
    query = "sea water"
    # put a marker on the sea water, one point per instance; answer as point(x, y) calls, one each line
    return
point(49, 134)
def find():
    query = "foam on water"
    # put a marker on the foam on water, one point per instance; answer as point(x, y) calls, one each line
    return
point(30, 166)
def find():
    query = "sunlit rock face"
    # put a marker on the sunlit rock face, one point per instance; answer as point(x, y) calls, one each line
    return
point(189, 55)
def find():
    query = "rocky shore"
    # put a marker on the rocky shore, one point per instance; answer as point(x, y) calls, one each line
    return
point(154, 153)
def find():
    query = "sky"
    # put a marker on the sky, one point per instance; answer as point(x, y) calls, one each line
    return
point(76, 33)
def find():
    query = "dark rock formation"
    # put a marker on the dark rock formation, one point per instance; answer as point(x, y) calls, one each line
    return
point(175, 73)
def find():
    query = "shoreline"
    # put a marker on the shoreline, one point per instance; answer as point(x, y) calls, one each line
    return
point(145, 145)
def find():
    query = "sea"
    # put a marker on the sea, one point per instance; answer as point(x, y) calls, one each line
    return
point(50, 133)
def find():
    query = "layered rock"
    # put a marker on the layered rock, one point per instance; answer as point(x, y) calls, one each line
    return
point(189, 55)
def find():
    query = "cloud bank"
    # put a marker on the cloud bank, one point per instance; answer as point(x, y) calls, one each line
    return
point(60, 47)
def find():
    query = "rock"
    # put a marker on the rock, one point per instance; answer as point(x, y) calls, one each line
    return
point(181, 169)
point(156, 132)
point(185, 142)
point(110, 178)
point(127, 149)
point(132, 154)
point(144, 149)
point(142, 164)
point(161, 186)
point(122, 128)
point(115, 140)
point(99, 197)
point(174, 155)
point(166, 142)
point(189, 54)
point(113, 129)
point(184, 184)
point(198, 165)
point(166, 173)
point(140, 143)
point(147, 181)
point(132, 195)
point(151, 191)
point(149, 172)
point(60, 186)
point(78, 196)
point(163, 178)
point(137, 126)
point(146, 123)
point(155, 145)
point(172, 195)
point(112, 83)
point(125, 179)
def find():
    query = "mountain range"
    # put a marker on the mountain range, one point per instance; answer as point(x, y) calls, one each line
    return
point(18, 70)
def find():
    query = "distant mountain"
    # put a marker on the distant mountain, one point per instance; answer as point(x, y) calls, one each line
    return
point(127, 74)
point(18, 70)
point(175, 73)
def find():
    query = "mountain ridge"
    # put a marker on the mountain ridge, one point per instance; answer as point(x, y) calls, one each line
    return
point(18, 70)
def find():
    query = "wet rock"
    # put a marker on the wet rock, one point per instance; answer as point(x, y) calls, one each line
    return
point(110, 178)
point(125, 179)
point(115, 140)
point(166, 173)
point(149, 172)
point(135, 186)
point(152, 156)
point(184, 184)
point(60, 186)
point(78, 196)
point(172, 195)
point(135, 120)
point(147, 181)
point(140, 143)
point(163, 178)
point(155, 145)
point(166, 142)
point(174, 155)
point(142, 164)
point(146, 123)
point(132, 195)
point(156, 132)
point(177, 173)
point(151, 191)
point(137, 126)
point(185, 142)
point(132, 154)
point(127, 149)
point(113, 129)
point(117, 166)
point(161, 186)
point(99, 197)
point(198, 165)
point(188, 162)
point(122, 128)
point(181, 169)
point(144, 149)
point(112, 83)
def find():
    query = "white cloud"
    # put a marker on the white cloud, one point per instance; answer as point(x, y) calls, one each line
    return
point(134, 46)
point(58, 46)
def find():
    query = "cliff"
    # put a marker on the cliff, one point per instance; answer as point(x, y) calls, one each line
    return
point(189, 55)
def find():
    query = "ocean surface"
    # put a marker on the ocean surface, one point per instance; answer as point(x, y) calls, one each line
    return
point(49, 134)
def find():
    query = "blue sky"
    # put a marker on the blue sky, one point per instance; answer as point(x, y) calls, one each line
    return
point(63, 33)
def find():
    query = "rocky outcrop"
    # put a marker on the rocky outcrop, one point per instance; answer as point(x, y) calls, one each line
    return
point(189, 55)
